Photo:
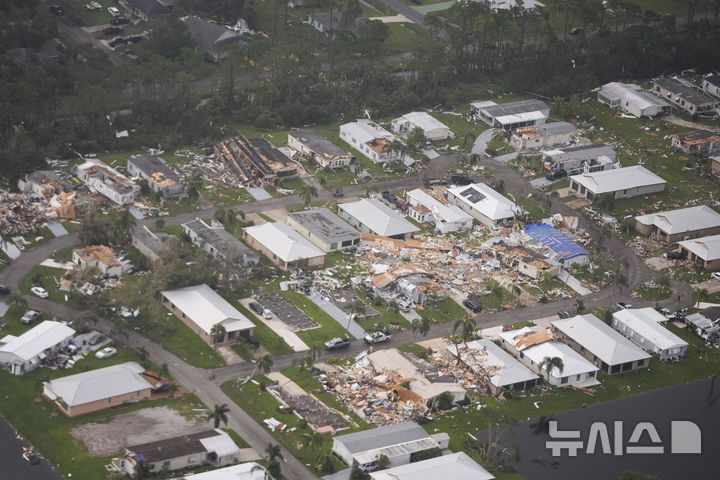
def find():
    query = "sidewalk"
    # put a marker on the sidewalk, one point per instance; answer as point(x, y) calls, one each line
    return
point(341, 317)
point(573, 283)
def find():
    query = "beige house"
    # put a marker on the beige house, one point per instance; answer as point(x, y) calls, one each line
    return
point(201, 308)
point(98, 389)
point(704, 251)
point(324, 229)
point(545, 135)
point(100, 257)
point(681, 224)
point(283, 246)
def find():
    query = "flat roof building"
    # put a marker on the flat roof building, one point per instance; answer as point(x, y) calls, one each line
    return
point(324, 229)
point(681, 224)
point(243, 471)
point(201, 308)
point(626, 182)
point(455, 466)
point(311, 144)
point(711, 85)
point(501, 369)
point(151, 244)
point(683, 95)
point(255, 161)
point(28, 351)
point(513, 115)
point(483, 203)
point(599, 343)
point(101, 257)
point(704, 251)
point(643, 326)
point(98, 389)
point(106, 181)
point(398, 442)
point(433, 128)
point(283, 246)
point(370, 215)
point(545, 135)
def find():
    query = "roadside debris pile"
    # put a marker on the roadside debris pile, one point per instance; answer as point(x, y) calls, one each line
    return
point(386, 387)
point(21, 213)
point(318, 416)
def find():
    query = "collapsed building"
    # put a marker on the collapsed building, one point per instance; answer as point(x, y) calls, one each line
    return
point(106, 181)
point(256, 161)
point(44, 183)
point(389, 386)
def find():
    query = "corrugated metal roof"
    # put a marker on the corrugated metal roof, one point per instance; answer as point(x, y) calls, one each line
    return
point(456, 466)
point(38, 339)
point(99, 384)
point(382, 437)
point(283, 241)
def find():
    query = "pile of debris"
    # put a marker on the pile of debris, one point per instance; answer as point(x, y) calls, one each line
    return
point(21, 213)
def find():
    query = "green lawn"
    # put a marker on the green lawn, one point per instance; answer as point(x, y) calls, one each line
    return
point(414, 349)
point(177, 338)
point(261, 405)
point(48, 278)
point(446, 311)
point(334, 178)
point(329, 328)
point(701, 363)
point(47, 429)
point(12, 319)
point(270, 340)
point(403, 37)
point(221, 197)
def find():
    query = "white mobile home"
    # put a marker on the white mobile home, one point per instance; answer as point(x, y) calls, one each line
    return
point(626, 182)
point(433, 128)
point(643, 327)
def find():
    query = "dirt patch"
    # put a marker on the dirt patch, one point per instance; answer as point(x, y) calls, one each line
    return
point(141, 426)
point(658, 263)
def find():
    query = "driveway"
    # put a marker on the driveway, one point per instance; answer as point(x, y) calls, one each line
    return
point(342, 318)
point(481, 142)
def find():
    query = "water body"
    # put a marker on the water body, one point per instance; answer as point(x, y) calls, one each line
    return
point(698, 402)
point(13, 466)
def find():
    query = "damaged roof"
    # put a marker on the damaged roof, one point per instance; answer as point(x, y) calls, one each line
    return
point(325, 225)
point(501, 367)
point(556, 240)
point(484, 199)
point(156, 169)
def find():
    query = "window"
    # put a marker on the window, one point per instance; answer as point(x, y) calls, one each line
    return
point(564, 380)
point(109, 399)
point(578, 376)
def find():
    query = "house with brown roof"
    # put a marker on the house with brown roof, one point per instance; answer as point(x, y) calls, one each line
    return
point(697, 141)
point(100, 257)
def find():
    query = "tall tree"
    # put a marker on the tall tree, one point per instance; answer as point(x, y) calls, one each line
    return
point(549, 364)
point(265, 363)
point(218, 332)
point(219, 415)
point(307, 193)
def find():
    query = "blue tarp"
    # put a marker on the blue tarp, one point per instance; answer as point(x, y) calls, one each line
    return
point(555, 240)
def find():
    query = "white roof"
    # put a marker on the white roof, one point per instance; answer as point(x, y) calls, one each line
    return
point(282, 240)
point(682, 219)
point(573, 362)
point(423, 120)
point(600, 339)
point(99, 384)
point(486, 355)
point(30, 344)
point(243, 471)
point(646, 323)
point(221, 444)
point(444, 212)
point(618, 179)
point(378, 217)
point(487, 201)
point(364, 130)
point(633, 94)
point(456, 466)
point(520, 117)
point(707, 248)
point(203, 306)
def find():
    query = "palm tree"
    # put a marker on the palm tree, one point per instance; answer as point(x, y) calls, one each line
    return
point(307, 193)
point(421, 325)
point(550, 363)
point(194, 185)
point(699, 295)
point(621, 281)
point(579, 305)
point(467, 325)
point(265, 363)
point(273, 452)
point(219, 414)
point(312, 440)
point(218, 332)
point(546, 280)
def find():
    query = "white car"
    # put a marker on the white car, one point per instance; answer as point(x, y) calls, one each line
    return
point(114, 11)
point(40, 292)
point(715, 275)
point(377, 337)
point(106, 352)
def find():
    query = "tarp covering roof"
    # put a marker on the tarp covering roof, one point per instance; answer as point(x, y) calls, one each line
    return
point(556, 240)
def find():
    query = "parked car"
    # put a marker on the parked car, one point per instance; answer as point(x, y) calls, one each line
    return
point(113, 30)
point(713, 275)
point(338, 192)
point(674, 255)
point(113, 11)
point(40, 292)
point(473, 306)
point(267, 314)
point(624, 305)
point(668, 314)
point(400, 204)
point(116, 41)
point(564, 314)
point(106, 352)
point(555, 174)
point(251, 340)
point(96, 338)
point(56, 10)
point(377, 337)
point(119, 21)
point(29, 317)
point(70, 363)
point(160, 386)
point(256, 307)
point(4, 289)
point(576, 30)
point(390, 197)
point(337, 343)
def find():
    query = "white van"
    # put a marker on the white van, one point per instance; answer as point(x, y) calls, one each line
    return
point(114, 11)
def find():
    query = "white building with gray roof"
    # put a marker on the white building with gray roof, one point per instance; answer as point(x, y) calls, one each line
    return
point(626, 182)
point(599, 343)
point(433, 128)
point(370, 215)
point(513, 115)
point(311, 144)
point(483, 203)
point(26, 352)
point(324, 229)
point(643, 326)
point(582, 158)
point(545, 135)
point(683, 94)
point(398, 442)
point(455, 466)
point(219, 243)
point(284, 246)
point(681, 224)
